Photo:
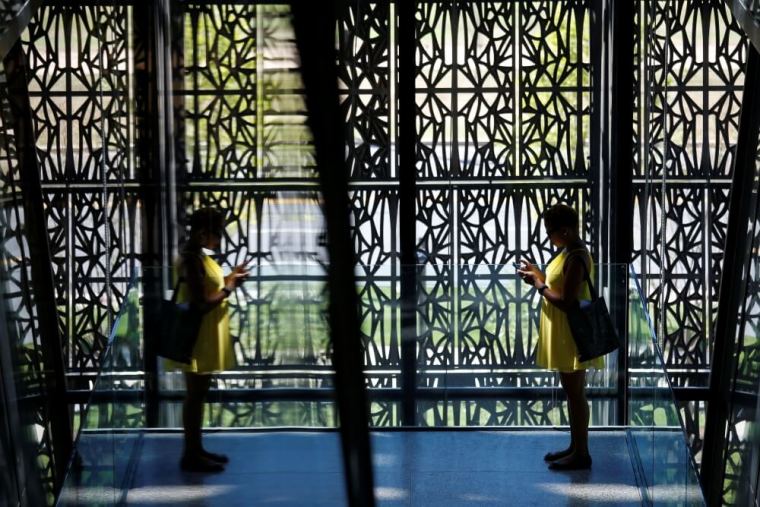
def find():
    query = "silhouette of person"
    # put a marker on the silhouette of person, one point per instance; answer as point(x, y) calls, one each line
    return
point(208, 289)
point(562, 286)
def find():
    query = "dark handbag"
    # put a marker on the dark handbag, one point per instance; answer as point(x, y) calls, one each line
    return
point(591, 326)
point(179, 325)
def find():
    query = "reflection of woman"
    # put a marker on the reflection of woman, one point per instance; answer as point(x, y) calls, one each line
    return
point(207, 288)
point(561, 287)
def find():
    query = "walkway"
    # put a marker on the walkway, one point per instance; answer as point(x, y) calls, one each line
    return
point(414, 468)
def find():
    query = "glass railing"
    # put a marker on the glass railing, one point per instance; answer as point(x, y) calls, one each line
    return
point(474, 331)
point(109, 437)
point(663, 461)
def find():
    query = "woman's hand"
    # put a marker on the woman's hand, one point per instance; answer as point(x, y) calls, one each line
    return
point(234, 279)
point(529, 273)
point(240, 271)
point(527, 277)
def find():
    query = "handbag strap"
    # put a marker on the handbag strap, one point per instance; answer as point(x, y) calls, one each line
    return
point(591, 288)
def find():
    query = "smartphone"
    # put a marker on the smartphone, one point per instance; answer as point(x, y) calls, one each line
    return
point(250, 257)
point(517, 265)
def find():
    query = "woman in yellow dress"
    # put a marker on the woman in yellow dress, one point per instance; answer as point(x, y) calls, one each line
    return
point(206, 287)
point(561, 287)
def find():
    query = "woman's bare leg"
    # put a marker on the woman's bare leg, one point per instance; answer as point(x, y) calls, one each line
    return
point(194, 457)
point(197, 387)
point(552, 456)
point(575, 389)
point(574, 385)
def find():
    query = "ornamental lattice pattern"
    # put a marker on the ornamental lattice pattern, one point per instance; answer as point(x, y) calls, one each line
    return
point(503, 94)
point(80, 85)
point(368, 84)
point(503, 120)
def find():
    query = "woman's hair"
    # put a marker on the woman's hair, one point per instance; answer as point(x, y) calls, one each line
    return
point(204, 221)
point(561, 215)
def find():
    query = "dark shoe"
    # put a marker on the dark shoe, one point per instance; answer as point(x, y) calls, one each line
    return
point(554, 456)
point(571, 463)
point(217, 458)
point(199, 464)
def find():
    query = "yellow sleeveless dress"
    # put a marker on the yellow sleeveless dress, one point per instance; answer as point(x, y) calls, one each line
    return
point(556, 349)
point(213, 351)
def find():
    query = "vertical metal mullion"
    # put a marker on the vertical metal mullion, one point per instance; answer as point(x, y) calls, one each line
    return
point(259, 199)
point(455, 173)
point(621, 181)
point(642, 118)
point(101, 31)
point(705, 167)
point(172, 114)
point(598, 125)
point(68, 177)
point(151, 86)
point(146, 169)
point(127, 224)
point(660, 321)
point(519, 287)
point(407, 174)
point(393, 197)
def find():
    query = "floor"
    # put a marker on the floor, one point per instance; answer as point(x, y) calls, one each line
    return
point(415, 468)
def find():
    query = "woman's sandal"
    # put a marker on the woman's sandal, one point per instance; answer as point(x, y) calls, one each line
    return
point(554, 456)
point(199, 464)
point(575, 463)
point(217, 458)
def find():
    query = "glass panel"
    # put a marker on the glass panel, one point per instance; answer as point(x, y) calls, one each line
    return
point(110, 434)
point(113, 439)
point(662, 460)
